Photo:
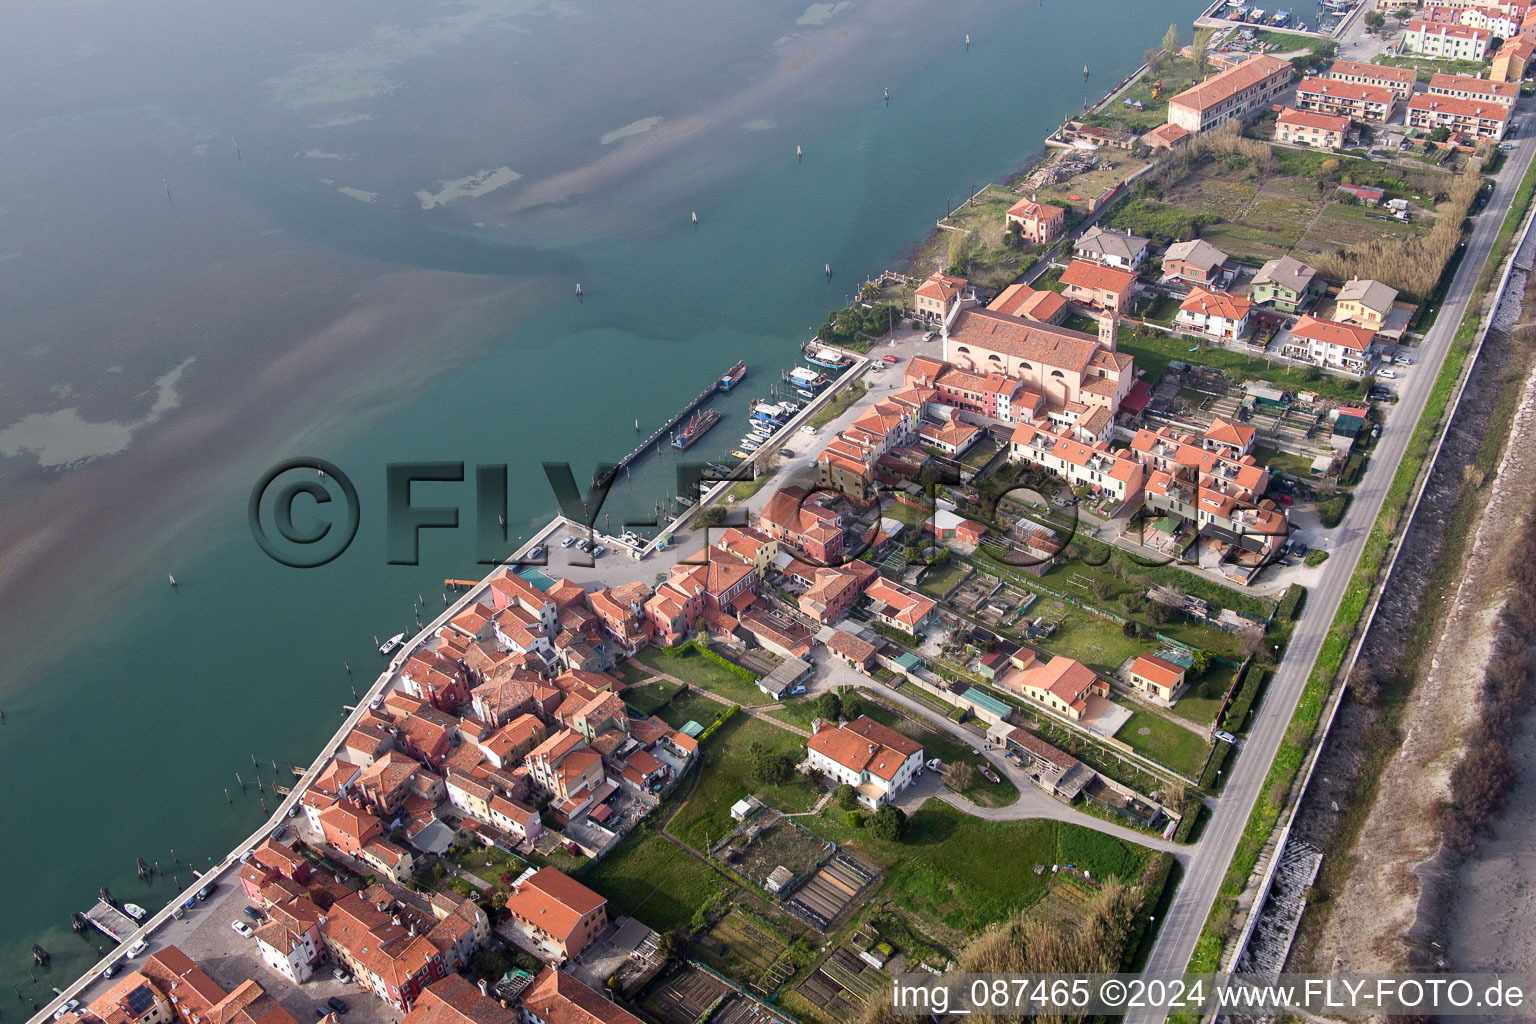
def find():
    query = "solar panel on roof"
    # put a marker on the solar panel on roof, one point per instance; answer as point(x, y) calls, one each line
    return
point(140, 1000)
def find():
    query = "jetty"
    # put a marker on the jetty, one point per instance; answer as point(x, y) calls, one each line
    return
point(602, 479)
point(112, 922)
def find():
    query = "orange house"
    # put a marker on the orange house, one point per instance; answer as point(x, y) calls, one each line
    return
point(1098, 287)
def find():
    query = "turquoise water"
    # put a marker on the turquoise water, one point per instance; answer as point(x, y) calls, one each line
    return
point(123, 735)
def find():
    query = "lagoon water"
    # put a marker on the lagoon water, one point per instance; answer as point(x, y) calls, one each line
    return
point(354, 231)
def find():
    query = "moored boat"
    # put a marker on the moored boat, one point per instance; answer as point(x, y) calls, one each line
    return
point(738, 453)
point(392, 644)
point(767, 412)
point(698, 424)
point(733, 375)
point(134, 911)
point(827, 358)
point(804, 377)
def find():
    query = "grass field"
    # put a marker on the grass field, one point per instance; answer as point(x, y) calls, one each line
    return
point(632, 673)
point(691, 707)
point(694, 668)
point(1283, 462)
point(838, 405)
point(648, 698)
point(940, 580)
point(797, 711)
point(1164, 742)
point(1153, 351)
point(648, 877)
point(1174, 76)
point(725, 777)
point(968, 873)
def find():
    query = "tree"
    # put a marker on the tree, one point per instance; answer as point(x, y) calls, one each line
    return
point(1171, 40)
point(888, 823)
point(854, 819)
point(847, 797)
point(1374, 20)
point(488, 963)
point(1154, 59)
point(851, 707)
point(1129, 629)
point(1202, 662)
point(828, 706)
point(673, 945)
point(769, 767)
point(962, 776)
point(1200, 47)
point(1405, 14)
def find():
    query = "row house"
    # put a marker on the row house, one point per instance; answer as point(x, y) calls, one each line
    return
point(1399, 80)
point(876, 760)
point(1237, 92)
point(994, 395)
point(431, 675)
point(498, 701)
point(834, 589)
point(953, 438)
point(384, 785)
point(349, 827)
point(457, 1000)
point(1059, 364)
point(556, 997)
point(721, 585)
point(1216, 513)
point(1111, 473)
point(1216, 315)
point(752, 546)
point(1039, 223)
point(1345, 99)
point(1466, 87)
point(558, 911)
point(799, 520)
point(1331, 344)
point(1186, 456)
point(1309, 128)
point(510, 743)
point(396, 942)
point(568, 769)
point(1509, 64)
point(1499, 23)
point(621, 610)
point(1472, 118)
point(1449, 42)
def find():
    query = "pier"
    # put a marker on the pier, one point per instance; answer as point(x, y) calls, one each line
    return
point(111, 922)
point(602, 479)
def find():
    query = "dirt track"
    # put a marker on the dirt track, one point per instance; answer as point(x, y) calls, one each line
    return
point(1373, 901)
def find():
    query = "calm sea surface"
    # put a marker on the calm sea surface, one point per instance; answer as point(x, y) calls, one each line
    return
point(354, 230)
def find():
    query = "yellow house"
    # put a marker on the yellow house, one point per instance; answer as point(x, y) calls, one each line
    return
point(1157, 677)
point(935, 297)
point(1510, 62)
point(1365, 302)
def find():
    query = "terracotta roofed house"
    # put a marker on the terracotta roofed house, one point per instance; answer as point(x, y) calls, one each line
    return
point(1309, 128)
point(1196, 261)
point(936, 296)
point(1452, 42)
point(876, 760)
point(1214, 314)
point(556, 997)
point(559, 910)
point(1466, 87)
point(1028, 303)
point(1400, 80)
point(456, 1000)
point(1345, 99)
point(897, 606)
point(1478, 119)
point(1099, 287)
point(1329, 343)
point(1237, 92)
point(1039, 223)
point(1156, 676)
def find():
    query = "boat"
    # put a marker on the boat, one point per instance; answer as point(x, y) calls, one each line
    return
point(762, 435)
point(134, 911)
point(802, 377)
point(741, 454)
point(828, 359)
point(733, 376)
point(790, 406)
point(698, 424)
point(752, 444)
point(393, 644)
point(766, 412)
point(804, 393)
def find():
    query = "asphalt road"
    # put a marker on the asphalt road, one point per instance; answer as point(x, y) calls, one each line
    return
point(1207, 867)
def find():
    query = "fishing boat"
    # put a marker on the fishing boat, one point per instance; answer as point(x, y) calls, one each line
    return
point(392, 645)
point(134, 911)
point(803, 377)
point(827, 358)
point(733, 376)
point(698, 424)
point(766, 412)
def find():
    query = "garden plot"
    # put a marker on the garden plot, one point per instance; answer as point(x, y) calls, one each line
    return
point(685, 996)
point(841, 986)
point(768, 842)
point(831, 891)
point(745, 948)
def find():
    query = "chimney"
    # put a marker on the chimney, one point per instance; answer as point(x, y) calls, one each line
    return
point(815, 726)
point(483, 987)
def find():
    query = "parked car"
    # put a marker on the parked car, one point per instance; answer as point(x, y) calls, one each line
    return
point(1285, 499)
point(929, 336)
point(208, 889)
point(252, 913)
point(807, 429)
point(109, 971)
point(1387, 374)
point(340, 974)
point(135, 949)
point(1225, 737)
point(191, 902)
point(786, 453)
point(889, 359)
point(1299, 549)
point(568, 542)
point(1405, 360)
point(537, 551)
point(277, 833)
point(69, 1007)
point(337, 1004)
point(599, 551)
point(241, 929)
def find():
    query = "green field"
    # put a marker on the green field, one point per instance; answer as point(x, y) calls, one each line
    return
point(1283, 462)
point(649, 878)
point(1165, 742)
point(1153, 351)
point(691, 707)
point(724, 777)
point(695, 669)
point(968, 873)
point(940, 580)
point(648, 698)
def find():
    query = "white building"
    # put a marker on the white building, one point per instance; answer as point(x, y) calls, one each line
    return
point(877, 761)
point(1450, 42)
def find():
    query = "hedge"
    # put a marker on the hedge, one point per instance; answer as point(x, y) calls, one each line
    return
point(1290, 604)
point(1214, 763)
point(1247, 691)
point(705, 652)
point(713, 727)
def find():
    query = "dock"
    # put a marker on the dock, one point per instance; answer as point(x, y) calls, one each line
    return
point(112, 922)
point(602, 479)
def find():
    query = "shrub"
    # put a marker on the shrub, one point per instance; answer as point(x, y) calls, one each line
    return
point(888, 823)
point(1316, 557)
point(854, 819)
point(847, 797)
point(1249, 682)
point(1290, 604)
point(1214, 764)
